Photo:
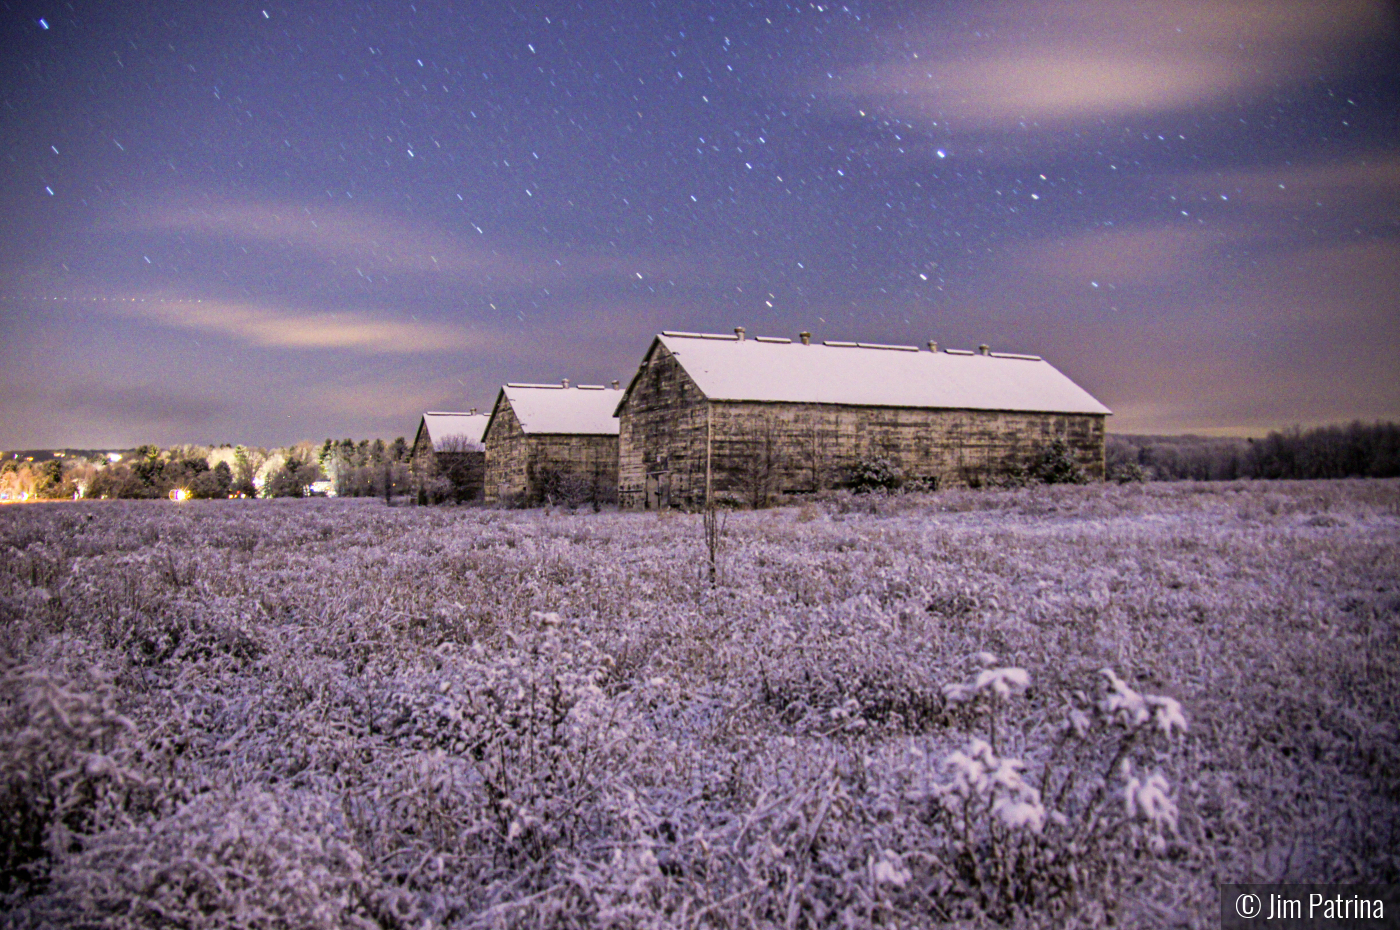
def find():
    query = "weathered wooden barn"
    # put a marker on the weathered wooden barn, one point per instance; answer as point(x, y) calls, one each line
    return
point(552, 443)
point(449, 457)
point(729, 418)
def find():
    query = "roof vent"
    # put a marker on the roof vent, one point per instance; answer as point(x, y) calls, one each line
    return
point(739, 333)
point(679, 335)
point(933, 345)
point(984, 349)
point(879, 345)
point(806, 337)
point(565, 382)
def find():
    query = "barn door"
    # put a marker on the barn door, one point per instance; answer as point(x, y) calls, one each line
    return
point(658, 490)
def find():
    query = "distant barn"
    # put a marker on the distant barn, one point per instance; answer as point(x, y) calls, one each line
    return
point(449, 457)
point(552, 443)
point(728, 418)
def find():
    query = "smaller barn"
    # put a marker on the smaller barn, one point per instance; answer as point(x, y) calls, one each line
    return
point(552, 443)
point(449, 457)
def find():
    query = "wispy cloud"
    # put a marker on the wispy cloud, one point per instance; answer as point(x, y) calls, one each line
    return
point(1362, 189)
point(156, 405)
point(352, 238)
point(394, 402)
point(1085, 60)
point(103, 413)
point(1119, 255)
point(289, 329)
point(1338, 207)
point(1200, 333)
point(351, 241)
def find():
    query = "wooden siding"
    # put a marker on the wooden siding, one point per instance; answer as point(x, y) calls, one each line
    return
point(760, 451)
point(507, 455)
point(676, 448)
point(575, 467)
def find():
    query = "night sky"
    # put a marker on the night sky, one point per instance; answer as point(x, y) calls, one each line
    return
point(260, 223)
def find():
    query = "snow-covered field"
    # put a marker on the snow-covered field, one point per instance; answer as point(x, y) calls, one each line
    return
point(888, 712)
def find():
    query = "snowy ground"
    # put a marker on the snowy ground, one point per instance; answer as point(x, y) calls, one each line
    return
point(338, 714)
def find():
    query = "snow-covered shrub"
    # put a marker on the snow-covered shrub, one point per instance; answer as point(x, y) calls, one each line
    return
point(850, 670)
point(1127, 472)
point(1057, 465)
point(252, 858)
point(875, 473)
point(66, 767)
point(510, 751)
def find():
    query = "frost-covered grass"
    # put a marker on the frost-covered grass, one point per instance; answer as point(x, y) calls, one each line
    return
point(884, 711)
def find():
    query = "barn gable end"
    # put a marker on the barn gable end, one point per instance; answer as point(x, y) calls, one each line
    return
point(448, 458)
point(663, 454)
point(552, 443)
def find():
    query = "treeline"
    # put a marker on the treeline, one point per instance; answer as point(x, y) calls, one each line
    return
point(368, 468)
point(375, 468)
point(148, 471)
point(153, 472)
point(347, 467)
point(1357, 450)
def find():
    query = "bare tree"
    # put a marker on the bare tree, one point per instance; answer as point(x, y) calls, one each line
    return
point(452, 470)
point(811, 446)
point(759, 469)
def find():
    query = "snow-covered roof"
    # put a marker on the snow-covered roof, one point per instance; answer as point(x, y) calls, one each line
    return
point(441, 425)
point(585, 409)
point(864, 374)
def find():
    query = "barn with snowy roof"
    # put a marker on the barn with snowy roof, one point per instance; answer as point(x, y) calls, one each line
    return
point(732, 418)
point(552, 443)
point(448, 458)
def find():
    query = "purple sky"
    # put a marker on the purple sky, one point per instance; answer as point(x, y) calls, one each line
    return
point(259, 223)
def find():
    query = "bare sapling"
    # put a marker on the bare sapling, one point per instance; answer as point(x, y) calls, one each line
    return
point(714, 525)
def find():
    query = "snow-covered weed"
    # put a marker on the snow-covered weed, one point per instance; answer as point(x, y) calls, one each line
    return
point(533, 726)
point(1066, 831)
